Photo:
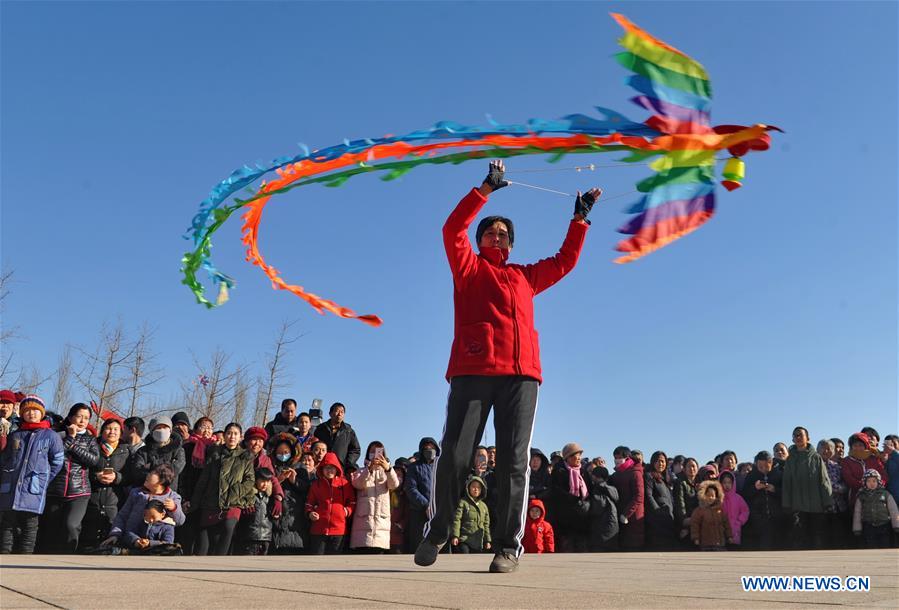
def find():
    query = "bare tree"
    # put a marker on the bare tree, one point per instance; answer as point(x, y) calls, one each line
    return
point(241, 396)
point(6, 332)
point(273, 378)
point(31, 380)
point(142, 370)
point(9, 376)
point(103, 373)
point(62, 392)
point(208, 392)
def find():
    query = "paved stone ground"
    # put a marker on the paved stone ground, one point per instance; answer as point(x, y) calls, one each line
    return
point(644, 580)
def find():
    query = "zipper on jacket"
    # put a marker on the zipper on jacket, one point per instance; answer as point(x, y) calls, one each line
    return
point(516, 349)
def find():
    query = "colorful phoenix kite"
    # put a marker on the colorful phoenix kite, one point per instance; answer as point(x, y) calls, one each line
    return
point(676, 200)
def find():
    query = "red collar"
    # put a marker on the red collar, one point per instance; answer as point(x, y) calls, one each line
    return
point(495, 256)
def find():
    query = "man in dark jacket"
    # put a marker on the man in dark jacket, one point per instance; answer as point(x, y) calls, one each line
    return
point(160, 447)
point(494, 363)
point(417, 488)
point(539, 481)
point(340, 438)
point(285, 420)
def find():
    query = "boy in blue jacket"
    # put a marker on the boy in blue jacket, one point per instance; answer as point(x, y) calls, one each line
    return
point(33, 456)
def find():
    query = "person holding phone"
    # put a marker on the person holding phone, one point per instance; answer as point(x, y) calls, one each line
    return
point(373, 483)
point(494, 363)
point(107, 483)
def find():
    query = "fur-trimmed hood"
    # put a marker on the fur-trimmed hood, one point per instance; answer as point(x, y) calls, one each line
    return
point(296, 450)
point(708, 498)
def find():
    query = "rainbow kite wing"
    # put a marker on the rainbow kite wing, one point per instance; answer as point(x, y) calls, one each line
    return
point(677, 199)
point(680, 197)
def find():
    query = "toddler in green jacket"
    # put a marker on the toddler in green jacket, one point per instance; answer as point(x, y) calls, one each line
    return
point(471, 526)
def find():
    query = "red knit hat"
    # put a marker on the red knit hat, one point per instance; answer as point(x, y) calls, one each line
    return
point(8, 396)
point(860, 436)
point(256, 432)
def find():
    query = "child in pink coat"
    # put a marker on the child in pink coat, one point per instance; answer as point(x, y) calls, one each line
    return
point(734, 506)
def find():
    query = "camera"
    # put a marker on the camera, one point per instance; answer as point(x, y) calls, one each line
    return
point(315, 411)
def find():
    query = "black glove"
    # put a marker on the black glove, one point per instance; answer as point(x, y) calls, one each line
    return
point(583, 204)
point(496, 177)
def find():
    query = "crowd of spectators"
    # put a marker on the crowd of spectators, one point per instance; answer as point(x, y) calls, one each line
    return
point(171, 486)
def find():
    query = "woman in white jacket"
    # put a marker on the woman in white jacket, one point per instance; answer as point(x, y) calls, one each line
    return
point(371, 519)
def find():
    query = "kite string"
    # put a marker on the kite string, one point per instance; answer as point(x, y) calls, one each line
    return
point(540, 188)
point(602, 198)
point(591, 167)
point(577, 168)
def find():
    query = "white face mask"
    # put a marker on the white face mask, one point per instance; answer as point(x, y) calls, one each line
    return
point(161, 435)
point(619, 461)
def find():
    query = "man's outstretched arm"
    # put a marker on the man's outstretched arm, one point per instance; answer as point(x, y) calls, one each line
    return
point(455, 231)
point(544, 273)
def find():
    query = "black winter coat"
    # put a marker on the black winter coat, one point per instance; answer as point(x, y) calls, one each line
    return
point(189, 476)
point(568, 513)
point(257, 525)
point(343, 443)
point(82, 454)
point(279, 425)
point(603, 516)
point(685, 500)
point(659, 513)
point(108, 497)
point(763, 505)
point(540, 480)
point(291, 531)
point(152, 454)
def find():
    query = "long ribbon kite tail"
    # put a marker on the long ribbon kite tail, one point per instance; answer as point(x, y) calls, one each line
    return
point(677, 142)
point(250, 231)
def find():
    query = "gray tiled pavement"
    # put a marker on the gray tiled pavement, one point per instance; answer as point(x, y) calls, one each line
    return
point(644, 580)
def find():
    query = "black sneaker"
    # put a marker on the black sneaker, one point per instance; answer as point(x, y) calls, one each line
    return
point(426, 553)
point(503, 563)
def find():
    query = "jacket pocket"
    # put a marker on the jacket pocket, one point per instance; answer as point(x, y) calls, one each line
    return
point(474, 345)
point(36, 482)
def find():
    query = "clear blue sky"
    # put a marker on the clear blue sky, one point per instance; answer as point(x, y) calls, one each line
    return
point(118, 118)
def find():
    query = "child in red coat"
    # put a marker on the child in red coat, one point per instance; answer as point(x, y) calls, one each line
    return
point(538, 533)
point(329, 504)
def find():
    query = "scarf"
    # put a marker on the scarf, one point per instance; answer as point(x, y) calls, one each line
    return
point(107, 448)
point(576, 485)
point(198, 455)
point(44, 424)
point(625, 465)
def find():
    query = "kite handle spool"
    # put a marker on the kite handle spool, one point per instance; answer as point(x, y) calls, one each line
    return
point(734, 172)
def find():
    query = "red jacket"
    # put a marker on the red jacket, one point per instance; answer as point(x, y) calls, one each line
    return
point(853, 470)
point(333, 500)
point(494, 301)
point(538, 533)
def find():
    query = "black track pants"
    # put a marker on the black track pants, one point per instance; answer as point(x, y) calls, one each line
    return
point(471, 397)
